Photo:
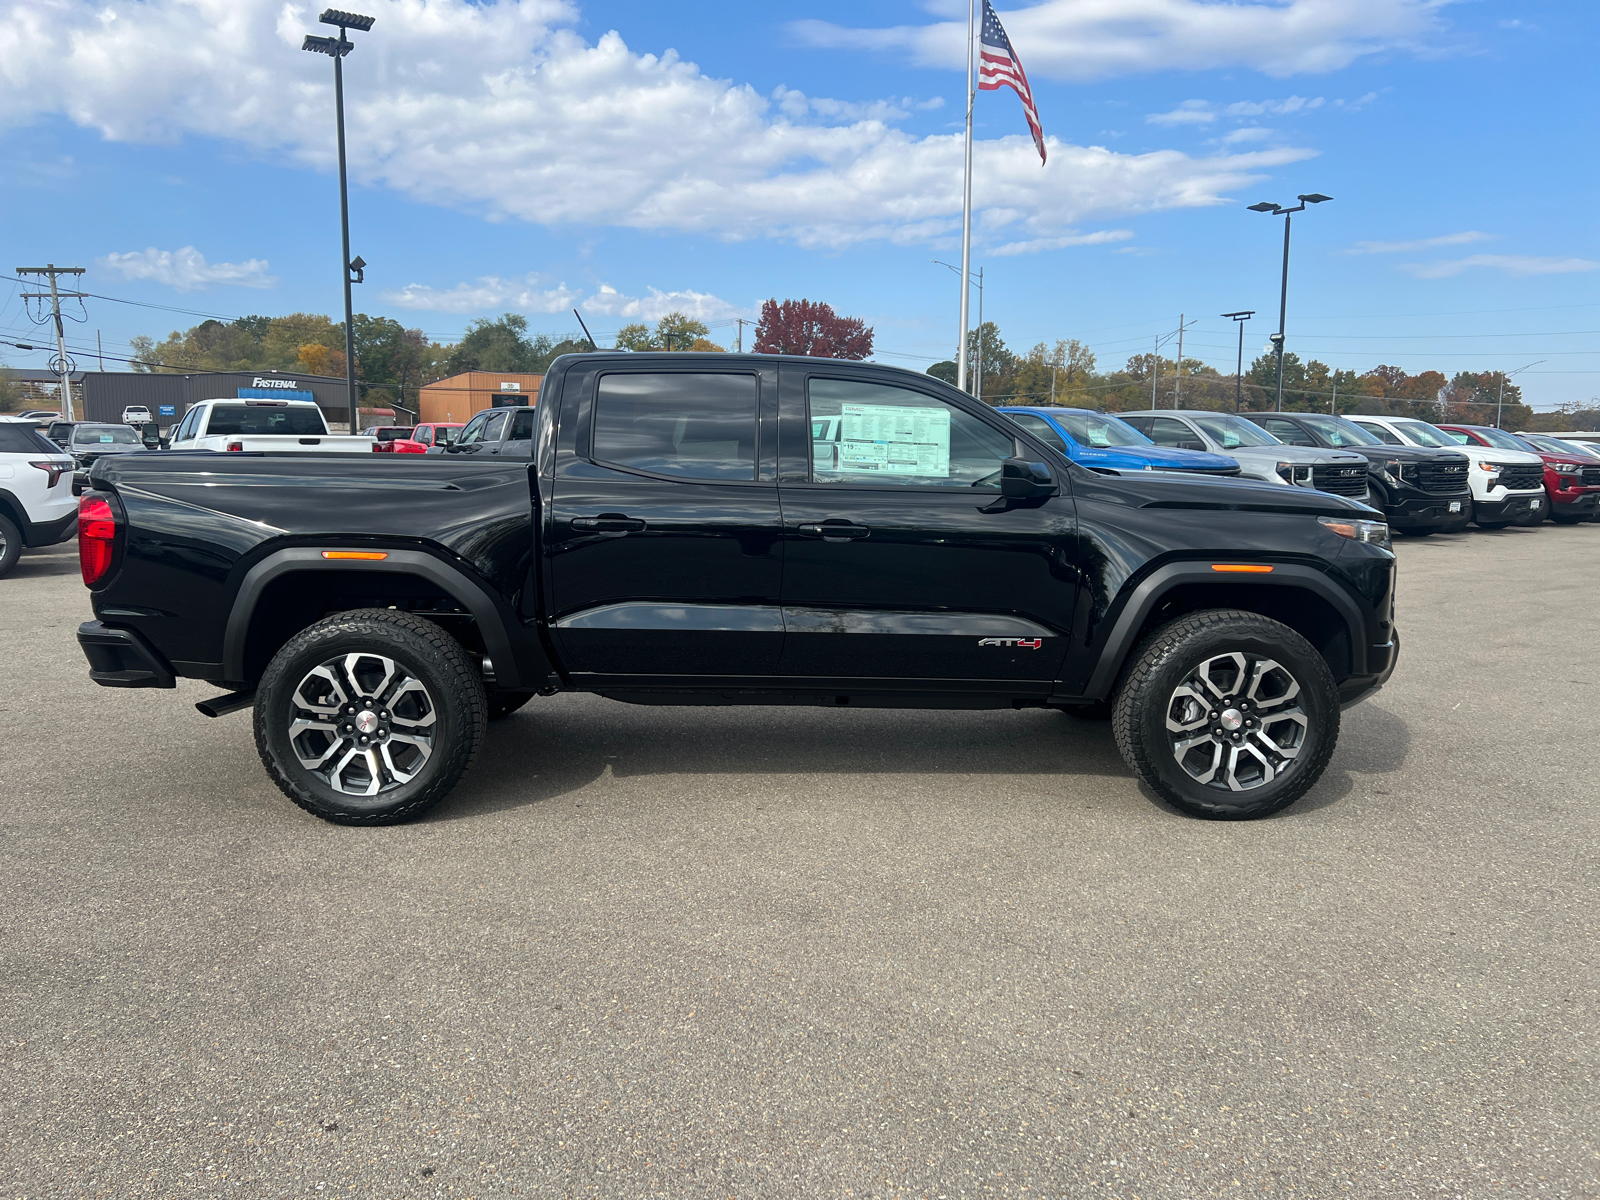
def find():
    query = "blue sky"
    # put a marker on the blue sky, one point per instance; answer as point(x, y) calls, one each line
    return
point(536, 155)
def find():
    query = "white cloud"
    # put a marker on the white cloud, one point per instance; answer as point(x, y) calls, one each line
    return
point(489, 292)
point(1093, 39)
point(1276, 108)
point(495, 294)
point(496, 109)
point(1511, 264)
point(702, 306)
point(797, 106)
point(186, 270)
point(1061, 242)
point(1250, 133)
point(1448, 239)
point(1190, 112)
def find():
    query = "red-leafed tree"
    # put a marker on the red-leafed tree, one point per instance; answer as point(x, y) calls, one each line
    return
point(815, 330)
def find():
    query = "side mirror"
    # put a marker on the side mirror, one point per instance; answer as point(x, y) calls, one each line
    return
point(1023, 480)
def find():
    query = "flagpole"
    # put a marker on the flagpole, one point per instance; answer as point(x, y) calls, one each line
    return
point(966, 213)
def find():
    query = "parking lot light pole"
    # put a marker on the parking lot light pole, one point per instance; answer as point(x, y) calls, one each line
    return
point(354, 269)
point(1499, 404)
point(1239, 318)
point(1278, 210)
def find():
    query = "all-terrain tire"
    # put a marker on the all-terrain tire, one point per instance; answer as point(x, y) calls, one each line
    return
point(449, 713)
point(10, 544)
point(1148, 694)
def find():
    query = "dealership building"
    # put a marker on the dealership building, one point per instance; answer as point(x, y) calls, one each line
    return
point(102, 395)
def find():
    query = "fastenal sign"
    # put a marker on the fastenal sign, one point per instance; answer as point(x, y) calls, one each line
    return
point(287, 385)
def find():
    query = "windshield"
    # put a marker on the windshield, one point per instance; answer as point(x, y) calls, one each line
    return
point(1501, 439)
point(231, 420)
point(1552, 445)
point(105, 435)
point(1339, 432)
point(1091, 429)
point(1422, 434)
point(1232, 432)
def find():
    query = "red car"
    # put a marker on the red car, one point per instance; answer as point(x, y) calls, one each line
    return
point(1571, 482)
point(425, 437)
point(387, 436)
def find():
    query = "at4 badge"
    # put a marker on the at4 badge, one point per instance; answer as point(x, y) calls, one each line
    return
point(1019, 643)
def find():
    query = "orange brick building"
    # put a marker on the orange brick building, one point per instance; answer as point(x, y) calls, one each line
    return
point(458, 397)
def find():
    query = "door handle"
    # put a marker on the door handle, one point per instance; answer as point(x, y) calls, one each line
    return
point(835, 531)
point(608, 523)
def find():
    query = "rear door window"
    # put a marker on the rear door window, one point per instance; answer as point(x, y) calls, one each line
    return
point(522, 425)
point(693, 426)
point(1166, 431)
point(1287, 432)
point(20, 439)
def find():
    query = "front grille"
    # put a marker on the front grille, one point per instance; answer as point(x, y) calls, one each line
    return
point(1523, 477)
point(1342, 481)
point(1233, 470)
point(1591, 477)
point(1442, 479)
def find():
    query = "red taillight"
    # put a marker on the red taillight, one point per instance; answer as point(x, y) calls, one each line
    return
point(236, 447)
point(97, 536)
point(52, 469)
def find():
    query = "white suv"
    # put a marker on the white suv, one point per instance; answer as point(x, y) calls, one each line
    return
point(37, 507)
point(1507, 485)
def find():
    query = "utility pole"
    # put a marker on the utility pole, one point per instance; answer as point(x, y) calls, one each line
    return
point(1333, 405)
point(100, 349)
point(1155, 372)
point(62, 365)
point(1052, 385)
point(1177, 379)
point(742, 322)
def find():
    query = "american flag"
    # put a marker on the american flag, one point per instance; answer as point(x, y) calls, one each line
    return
point(1000, 67)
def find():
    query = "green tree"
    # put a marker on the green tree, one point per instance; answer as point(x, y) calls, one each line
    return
point(986, 352)
point(635, 337)
point(12, 397)
point(945, 371)
point(677, 331)
point(501, 345)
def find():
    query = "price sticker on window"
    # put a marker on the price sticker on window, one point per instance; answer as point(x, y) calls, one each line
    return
point(893, 439)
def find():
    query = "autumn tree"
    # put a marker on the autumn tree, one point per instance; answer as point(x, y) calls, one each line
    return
point(811, 328)
point(677, 331)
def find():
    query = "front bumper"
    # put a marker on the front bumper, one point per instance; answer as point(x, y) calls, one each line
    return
point(1575, 503)
point(1514, 505)
point(121, 658)
point(1381, 661)
point(1429, 512)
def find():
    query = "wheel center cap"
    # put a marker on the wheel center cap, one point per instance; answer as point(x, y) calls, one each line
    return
point(366, 721)
point(1232, 719)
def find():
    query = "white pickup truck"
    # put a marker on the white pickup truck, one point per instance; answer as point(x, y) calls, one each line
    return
point(244, 425)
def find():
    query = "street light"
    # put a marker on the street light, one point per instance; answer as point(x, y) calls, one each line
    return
point(1278, 210)
point(354, 270)
point(978, 366)
point(1239, 318)
point(1500, 403)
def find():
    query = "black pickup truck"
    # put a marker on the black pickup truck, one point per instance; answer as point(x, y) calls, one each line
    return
point(736, 529)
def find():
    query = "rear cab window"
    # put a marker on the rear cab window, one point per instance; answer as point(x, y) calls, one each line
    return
point(248, 418)
point(685, 425)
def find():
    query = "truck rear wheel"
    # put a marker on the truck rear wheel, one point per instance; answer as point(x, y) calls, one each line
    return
point(369, 717)
point(10, 544)
point(1227, 714)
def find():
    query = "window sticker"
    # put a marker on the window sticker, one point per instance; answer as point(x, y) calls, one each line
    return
point(892, 439)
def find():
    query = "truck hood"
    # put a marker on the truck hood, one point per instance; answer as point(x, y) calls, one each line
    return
point(1171, 489)
point(1405, 454)
point(1297, 454)
point(1160, 458)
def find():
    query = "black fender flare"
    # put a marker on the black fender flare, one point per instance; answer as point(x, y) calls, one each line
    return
point(1150, 591)
point(491, 622)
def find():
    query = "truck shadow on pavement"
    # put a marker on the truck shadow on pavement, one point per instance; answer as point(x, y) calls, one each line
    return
point(46, 563)
point(550, 750)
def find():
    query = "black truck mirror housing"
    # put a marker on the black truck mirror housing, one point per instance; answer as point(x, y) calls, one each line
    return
point(1023, 480)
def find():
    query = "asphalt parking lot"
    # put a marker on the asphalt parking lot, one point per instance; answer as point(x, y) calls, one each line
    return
point(801, 953)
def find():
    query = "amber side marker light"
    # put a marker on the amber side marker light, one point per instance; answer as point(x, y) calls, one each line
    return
point(1244, 568)
point(364, 555)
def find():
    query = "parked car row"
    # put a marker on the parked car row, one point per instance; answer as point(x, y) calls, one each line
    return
point(1424, 478)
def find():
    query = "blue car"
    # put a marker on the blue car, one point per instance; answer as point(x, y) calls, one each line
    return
point(1093, 439)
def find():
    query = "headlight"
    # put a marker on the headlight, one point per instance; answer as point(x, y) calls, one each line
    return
point(1391, 470)
point(1374, 533)
point(1286, 472)
point(1492, 468)
point(1565, 468)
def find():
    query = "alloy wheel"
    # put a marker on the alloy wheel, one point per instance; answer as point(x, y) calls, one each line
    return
point(362, 723)
point(1235, 723)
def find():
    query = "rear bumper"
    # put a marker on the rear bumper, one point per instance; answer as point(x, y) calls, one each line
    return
point(121, 658)
point(48, 533)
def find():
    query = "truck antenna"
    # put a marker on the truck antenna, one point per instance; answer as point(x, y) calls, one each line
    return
point(586, 332)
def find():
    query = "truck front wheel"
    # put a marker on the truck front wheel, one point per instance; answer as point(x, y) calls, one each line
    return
point(369, 717)
point(1227, 714)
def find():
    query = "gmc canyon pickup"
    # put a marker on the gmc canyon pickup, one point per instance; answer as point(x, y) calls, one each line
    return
point(676, 535)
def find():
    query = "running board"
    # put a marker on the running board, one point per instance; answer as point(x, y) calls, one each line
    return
point(221, 706)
